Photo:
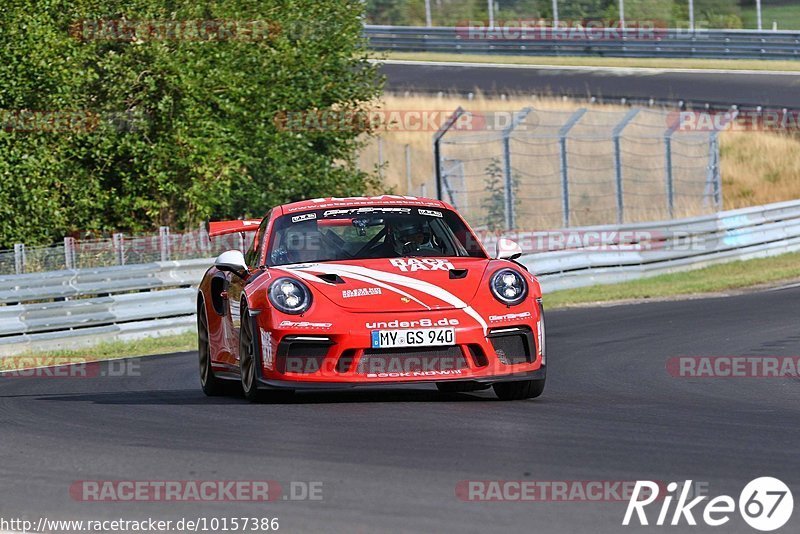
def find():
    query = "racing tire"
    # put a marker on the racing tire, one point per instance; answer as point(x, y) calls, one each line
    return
point(212, 386)
point(249, 363)
point(523, 389)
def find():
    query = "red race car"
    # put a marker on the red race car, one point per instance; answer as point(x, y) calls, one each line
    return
point(365, 291)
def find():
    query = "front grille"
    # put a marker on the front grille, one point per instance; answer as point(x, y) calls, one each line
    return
point(303, 357)
point(409, 360)
point(513, 346)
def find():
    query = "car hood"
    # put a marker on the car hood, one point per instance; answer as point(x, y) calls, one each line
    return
point(395, 285)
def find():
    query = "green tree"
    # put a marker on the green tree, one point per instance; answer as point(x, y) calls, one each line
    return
point(199, 136)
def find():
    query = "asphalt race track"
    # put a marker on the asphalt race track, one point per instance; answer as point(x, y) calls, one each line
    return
point(390, 460)
point(746, 89)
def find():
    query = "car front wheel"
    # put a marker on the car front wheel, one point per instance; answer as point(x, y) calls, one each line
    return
point(249, 364)
point(248, 358)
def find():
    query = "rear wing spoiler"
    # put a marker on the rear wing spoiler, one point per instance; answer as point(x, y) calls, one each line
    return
point(232, 227)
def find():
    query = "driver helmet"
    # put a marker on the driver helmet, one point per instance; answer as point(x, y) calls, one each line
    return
point(411, 235)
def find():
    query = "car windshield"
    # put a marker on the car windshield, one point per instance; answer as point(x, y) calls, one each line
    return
point(369, 232)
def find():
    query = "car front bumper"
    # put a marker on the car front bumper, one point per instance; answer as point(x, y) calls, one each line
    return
point(299, 355)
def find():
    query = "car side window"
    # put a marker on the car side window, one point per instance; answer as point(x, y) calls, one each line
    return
point(257, 246)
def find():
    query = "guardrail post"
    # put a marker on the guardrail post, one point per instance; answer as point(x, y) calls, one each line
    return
point(508, 190)
point(69, 252)
point(163, 240)
point(119, 248)
point(617, 133)
point(562, 140)
point(437, 149)
point(668, 170)
point(19, 258)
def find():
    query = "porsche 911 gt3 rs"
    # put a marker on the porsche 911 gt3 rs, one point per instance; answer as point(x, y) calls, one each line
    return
point(366, 291)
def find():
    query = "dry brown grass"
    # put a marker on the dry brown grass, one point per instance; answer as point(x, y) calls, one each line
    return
point(757, 167)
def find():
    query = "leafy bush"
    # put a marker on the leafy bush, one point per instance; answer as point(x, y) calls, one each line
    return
point(183, 130)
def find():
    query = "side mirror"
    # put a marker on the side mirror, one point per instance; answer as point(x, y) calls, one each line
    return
point(507, 249)
point(231, 261)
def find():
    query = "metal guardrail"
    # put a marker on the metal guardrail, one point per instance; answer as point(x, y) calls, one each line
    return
point(72, 308)
point(68, 309)
point(714, 44)
point(650, 249)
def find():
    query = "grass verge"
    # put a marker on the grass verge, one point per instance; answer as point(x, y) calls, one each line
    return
point(786, 16)
point(105, 351)
point(717, 278)
point(578, 61)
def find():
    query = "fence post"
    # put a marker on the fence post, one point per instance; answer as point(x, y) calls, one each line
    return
point(437, 149)
point(456, 168)
point(19, 258)
point(713, 178)
point(668, 170)
point(508, 190)
point(562, 140)
point(69, 252)
point(408, 169)
point(119, 248)
point(163, 240)
point(618, 162)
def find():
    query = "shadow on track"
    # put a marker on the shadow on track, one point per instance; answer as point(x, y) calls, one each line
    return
point(194, 397)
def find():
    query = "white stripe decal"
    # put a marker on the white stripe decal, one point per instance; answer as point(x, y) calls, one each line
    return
point(301, 273)
point(413, 283)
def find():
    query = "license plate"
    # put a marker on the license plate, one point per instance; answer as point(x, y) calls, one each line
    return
point(420, 337)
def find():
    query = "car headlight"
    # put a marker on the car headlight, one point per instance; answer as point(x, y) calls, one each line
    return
point(509, 287)
point(290, 296)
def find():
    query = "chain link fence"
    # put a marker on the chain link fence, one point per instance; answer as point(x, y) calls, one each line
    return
point(557, 169)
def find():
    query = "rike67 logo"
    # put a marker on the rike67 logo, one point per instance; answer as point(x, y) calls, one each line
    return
point(765, 504)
